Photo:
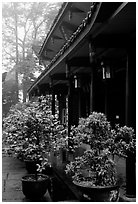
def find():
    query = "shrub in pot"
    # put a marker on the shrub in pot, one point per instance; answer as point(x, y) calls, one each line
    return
point(35, 185)
point(40, 131)
point(125, 143)
point(125, 140)
point(60, 142)
point(13, 129)
point(95, 172)
point(28, 131)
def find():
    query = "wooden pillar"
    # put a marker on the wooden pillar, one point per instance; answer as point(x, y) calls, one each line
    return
point(69, 100)
point(62, 106)
point(131, 175)
point(59, 107)
point(131, 117)
point(91, 92)
point(106, 98)
point(79, 103)
point(69, 107)
point(51, 91)
point(91, 57)
point(53, 103)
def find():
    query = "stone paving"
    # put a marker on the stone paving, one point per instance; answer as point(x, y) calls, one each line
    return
point(12, 171)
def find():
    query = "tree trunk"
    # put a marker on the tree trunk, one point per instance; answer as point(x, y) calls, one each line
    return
point(17, 54)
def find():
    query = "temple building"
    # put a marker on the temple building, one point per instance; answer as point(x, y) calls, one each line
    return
point(91, 55)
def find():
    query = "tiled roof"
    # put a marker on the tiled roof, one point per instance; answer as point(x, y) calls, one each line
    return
point(54, 22)
point(73, 37)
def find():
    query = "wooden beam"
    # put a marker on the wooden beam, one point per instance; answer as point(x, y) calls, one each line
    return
point(107, 9)
point(111, 41)
point(60, 88)
point(76, 10)
point(57, 37)
point(59, 76)
point(79, 61)
point(47, 58)
point(69, 26)
point(49, 50)
point(64, 34)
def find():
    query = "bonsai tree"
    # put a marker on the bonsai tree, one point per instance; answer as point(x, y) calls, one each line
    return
point(125, 144)
point(96, 166)
point(13, 128)
point(28, 130)
point(125, 140)
point(60, 138)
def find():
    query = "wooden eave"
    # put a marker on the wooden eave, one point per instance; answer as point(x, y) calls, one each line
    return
point(81, 24)
point(120, 24)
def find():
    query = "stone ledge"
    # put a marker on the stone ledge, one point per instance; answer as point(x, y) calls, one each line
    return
point(124, 198)
point(68, 183)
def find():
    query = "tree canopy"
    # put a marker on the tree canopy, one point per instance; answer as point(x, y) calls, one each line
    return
point(25, 25)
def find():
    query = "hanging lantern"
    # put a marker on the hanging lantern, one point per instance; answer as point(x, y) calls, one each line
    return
point(106, 71)
point(77, 82)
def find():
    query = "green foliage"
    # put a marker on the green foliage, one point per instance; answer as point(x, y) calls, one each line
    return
point(96, 166)
point(61, 137)
point(25, 24)
point(125, 140)
point(93, 169)
point(94, 130)
point(29, 129)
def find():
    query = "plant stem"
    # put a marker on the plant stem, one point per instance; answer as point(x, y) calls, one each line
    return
point(35, 171)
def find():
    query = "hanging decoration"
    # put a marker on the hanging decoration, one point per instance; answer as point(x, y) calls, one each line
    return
point(106, 70)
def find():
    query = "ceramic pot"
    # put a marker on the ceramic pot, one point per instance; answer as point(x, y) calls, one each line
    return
point(34, 189)
point(99, 193)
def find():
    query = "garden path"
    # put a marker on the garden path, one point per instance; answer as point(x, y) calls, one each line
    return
point(12, 171)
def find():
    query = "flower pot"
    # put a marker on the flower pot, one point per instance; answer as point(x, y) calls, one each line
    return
point(35, 189)
point(99, 193)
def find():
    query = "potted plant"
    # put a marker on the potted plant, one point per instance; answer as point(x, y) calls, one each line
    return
point(95, 172)
point(125, 144)
point(28, 131)
point(13, 129)
point(60, 142)
point(125, 140)
point(35, 185)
